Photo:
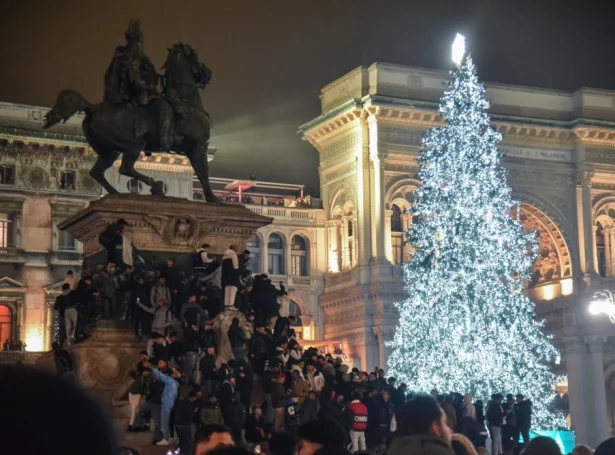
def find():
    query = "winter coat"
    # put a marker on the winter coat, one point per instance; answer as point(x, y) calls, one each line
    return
point(162, 317)
point(184, 412)
point(211, 414)
point(523, 413)
point(309, 410)
point(386, 410)
point(317, 381)
point(192, 314)
point(278, 395)
point(467, 408)
point(208, 338)
point(418, 444)
point(253, 425)
point(235, 336)
point(230, 269)
point(137, 387)
point(358, 415)
point(495, 415)
point(159, 293)
point(301, 387)
point(207, 366)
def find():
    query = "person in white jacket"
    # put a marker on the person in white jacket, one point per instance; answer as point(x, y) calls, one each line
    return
point(230, 275)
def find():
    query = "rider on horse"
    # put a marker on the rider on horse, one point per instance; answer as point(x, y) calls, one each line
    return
point(131, 78)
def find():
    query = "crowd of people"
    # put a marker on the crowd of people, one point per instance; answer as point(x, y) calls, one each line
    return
point(252, 383)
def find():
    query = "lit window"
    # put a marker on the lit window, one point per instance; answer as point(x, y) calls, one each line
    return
point(7, 175)
point(67, 180)
point(299, 265)
point(6, 230)
point(6, 324)
point(254, 246)
point(275, 255)
point(66, 241)
point(134, 186)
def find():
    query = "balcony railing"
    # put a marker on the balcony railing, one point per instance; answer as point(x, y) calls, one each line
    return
point(66, 256)
point(285, 212)
point(335, 279)
point(291, 280)
point(11, 254)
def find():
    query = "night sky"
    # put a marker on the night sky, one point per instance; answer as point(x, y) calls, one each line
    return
point(270, 58)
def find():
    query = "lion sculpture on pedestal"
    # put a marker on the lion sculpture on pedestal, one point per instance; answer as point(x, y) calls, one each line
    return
point(221, 324)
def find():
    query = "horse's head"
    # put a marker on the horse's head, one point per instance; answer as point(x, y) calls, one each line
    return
point(184, 68)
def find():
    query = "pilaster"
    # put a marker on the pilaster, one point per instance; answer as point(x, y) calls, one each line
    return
point(387, 235)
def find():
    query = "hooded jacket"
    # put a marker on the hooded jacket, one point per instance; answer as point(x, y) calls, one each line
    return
point(418, 444)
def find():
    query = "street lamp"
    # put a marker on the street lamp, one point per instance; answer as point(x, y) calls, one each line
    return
point(602, 303)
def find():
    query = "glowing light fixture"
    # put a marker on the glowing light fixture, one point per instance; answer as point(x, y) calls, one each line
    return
point(459, 48)
point(602, 303)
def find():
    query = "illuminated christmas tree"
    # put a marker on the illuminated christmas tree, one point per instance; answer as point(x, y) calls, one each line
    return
point(467, 325)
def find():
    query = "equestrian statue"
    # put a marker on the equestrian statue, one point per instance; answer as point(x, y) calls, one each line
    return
point(144, 110)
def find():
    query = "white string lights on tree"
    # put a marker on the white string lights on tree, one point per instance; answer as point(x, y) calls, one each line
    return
point(466, 325)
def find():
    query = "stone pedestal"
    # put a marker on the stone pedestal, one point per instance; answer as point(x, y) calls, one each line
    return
point(159, 227)
point(162, 226)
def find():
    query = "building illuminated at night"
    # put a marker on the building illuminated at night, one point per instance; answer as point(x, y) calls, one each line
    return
point(559, 148)
point(340, 258)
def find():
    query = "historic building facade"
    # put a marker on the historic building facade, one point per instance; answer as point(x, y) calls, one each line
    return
point(44, 179)
point(559, 148)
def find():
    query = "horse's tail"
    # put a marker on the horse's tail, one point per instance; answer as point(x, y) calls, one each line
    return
point(68, 103)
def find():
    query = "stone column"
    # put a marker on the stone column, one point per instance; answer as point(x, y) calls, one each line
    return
point(596, 394)
point(575, 350)
point(48, 333)
point(607, 251)
point(611, 237)
point(376, 192)
point(332, 253)
point(387, 235)
point(383, 334)
point(584, 182)
point(595, 249)
point(345, 253)
point(587, 241)
point(264, 256)
point(288, 258)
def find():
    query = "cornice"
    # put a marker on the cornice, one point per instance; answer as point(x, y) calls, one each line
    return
point(422, 115)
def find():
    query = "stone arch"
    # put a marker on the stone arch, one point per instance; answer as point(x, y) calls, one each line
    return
point(400, 190)
point(282, 235)
point(342, 195)
point(603, 207)
point(551, 240)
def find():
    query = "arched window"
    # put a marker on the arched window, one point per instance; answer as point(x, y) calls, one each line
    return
point(299, 256)
point(275, 255)
point(6, 324)
point(295, 310)
point(134, 186)
point(396, 222)
point(254, 246)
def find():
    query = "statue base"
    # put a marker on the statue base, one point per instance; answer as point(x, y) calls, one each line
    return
point(161, 226)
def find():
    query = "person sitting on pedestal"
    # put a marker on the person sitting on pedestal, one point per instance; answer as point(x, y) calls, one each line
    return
point(230, 276)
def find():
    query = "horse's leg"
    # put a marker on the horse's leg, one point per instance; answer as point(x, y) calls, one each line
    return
point(198, 159)
point(127, 168)
point(105, 160)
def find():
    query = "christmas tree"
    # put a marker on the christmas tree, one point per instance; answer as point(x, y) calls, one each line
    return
point(467, 326)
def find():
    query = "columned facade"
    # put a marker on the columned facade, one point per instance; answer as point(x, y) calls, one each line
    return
point(559, 148)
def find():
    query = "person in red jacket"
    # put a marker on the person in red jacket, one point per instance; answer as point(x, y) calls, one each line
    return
point(358, 422)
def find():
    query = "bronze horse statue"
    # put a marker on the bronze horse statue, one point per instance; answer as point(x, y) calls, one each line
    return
point(114, 129)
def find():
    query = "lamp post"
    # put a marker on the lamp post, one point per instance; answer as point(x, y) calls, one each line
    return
point(602, 303)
